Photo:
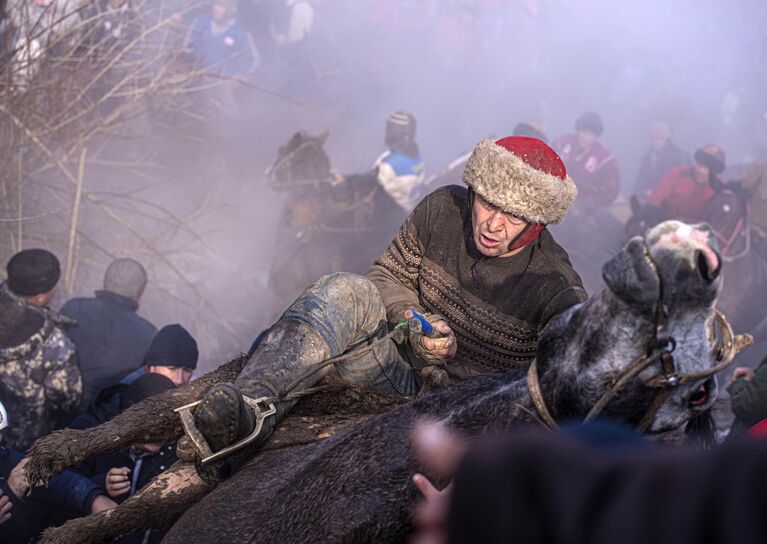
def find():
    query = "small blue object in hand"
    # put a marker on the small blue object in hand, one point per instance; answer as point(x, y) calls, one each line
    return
point(418, 323)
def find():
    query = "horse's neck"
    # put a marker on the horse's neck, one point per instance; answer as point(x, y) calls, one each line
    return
point(597, 342)
point(496, 400)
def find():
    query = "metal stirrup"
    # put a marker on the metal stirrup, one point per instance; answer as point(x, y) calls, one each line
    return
point(263, 408)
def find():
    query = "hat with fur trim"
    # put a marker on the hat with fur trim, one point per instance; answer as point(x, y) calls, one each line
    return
point(522, 176)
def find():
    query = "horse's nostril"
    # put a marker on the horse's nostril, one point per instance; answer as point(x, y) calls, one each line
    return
point(709, 271)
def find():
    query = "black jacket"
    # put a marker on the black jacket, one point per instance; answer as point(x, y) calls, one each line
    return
point(143, 465)
point(110, 338)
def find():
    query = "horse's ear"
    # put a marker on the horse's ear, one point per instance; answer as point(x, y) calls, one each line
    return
point(322, 138)
point(635, 205)
point(295, 140)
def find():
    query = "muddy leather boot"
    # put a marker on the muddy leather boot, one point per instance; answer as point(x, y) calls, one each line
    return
point(282, 364)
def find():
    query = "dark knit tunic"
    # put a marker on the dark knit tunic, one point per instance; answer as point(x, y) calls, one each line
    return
point(497, 306)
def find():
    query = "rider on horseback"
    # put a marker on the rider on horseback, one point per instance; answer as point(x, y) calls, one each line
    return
point(478, 263)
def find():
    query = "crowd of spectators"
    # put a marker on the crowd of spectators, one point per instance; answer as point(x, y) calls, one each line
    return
point(79, 368)
point(96, 357)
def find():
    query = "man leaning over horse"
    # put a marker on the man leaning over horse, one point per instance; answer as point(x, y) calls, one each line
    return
point(477, 263)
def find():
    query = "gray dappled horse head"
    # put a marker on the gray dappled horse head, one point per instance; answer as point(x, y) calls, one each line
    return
point(745, 274)
point(675, 268)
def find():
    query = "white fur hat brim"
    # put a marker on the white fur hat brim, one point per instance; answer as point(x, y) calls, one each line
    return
point(506, 181)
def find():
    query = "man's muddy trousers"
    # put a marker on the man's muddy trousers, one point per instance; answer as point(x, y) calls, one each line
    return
point(340, 311)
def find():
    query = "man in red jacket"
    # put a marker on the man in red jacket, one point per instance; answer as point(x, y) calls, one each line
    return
point(591, 164)
point(685, 190)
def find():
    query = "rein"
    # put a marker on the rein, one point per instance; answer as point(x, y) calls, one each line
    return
point(661, 352)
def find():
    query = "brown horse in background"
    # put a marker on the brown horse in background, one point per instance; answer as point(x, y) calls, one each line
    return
point(330, 222)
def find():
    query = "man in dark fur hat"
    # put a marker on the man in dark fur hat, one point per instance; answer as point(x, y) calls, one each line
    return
point(478, 263)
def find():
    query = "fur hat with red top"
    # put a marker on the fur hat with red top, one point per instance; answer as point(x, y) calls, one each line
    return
point(522, 176)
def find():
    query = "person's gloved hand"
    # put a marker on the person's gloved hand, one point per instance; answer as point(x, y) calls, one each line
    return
point(436, 350)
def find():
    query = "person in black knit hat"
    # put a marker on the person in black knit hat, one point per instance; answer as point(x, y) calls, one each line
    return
point(34, 273)
point(173, 354)
point(39, 376)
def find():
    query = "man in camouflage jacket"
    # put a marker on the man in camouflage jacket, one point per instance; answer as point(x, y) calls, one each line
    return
point(39, 376)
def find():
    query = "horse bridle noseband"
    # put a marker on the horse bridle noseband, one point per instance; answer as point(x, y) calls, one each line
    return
point(661, 352)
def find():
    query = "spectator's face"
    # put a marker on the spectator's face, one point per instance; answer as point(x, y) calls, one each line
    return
point(493, 229)
point(219, 12)
point(43, 298)
point(179, 375)
point(586, 138)
point(700, 173)
point(151, 448)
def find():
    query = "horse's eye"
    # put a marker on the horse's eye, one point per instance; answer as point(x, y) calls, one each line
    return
point(699, 397)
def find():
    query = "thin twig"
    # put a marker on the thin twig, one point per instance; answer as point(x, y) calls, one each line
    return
point(69, 276)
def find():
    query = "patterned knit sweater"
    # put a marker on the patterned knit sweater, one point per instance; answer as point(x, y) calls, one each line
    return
point(497, 306)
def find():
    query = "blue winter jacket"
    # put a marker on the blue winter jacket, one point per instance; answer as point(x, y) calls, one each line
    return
point(229, 53)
